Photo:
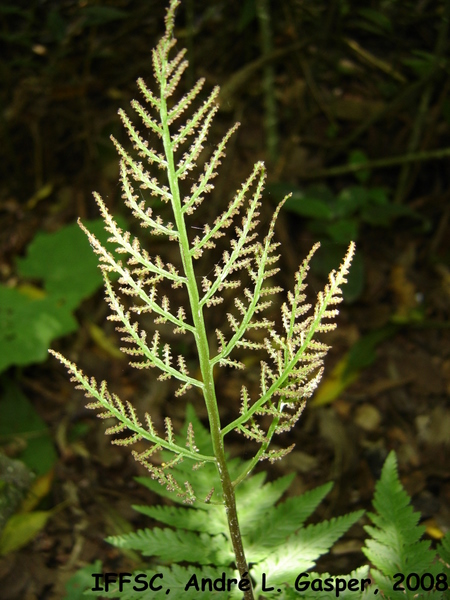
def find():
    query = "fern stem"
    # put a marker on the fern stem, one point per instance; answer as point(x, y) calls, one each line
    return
point(201, 340)
point(233, 522)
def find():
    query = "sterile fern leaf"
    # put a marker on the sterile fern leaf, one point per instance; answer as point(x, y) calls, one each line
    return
point(301, 550)
point(395, 544)
point(177, 546)
point(285, 519)
point(255, 498)
point(204, 518)
point(443, 550)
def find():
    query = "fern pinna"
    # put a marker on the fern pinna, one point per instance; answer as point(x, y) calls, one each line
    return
point(405, 565)
point(291, 366)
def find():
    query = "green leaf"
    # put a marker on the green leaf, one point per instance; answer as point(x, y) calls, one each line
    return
point(211, 520)
point(21, 529)
point(444, 549)
point(99, 15)
point(343, 231)
point(351, 200)
point(285, 519)
point(65, 262)
point(421, 62)
point(302, 549)
point(358, 157)
point(378, 195)
point(18, 418)
point(318, 581)
point(308, 206)
point(395, 544)
point(378, 18)
point(82, 581)
point(177, 546)
point(363, 353)
point(383, 214)
point(255, 501)
point(29, 325)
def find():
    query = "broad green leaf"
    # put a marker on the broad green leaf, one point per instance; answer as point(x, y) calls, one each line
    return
point(99, 15)
point(18, 418)
point(29, 326)
point(358, 157)
point(378, 18)
point(65, 261)
point(308, 206)
point(21, 529)
point(351, 200)
point(384, 214)
point(343, 231)
point(82, 581)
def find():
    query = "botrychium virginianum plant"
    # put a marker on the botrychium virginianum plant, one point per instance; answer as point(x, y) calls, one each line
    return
point(292, 357)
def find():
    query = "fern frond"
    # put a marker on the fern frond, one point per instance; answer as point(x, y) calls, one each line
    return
point(125, 414)
point(149, 352)
point(176, 111)
point(141, 145)
point(285, 519)
point(444, 550)
point(302, 549)
point(177, 546)
point(196, 471)
point(295, 368)
point(262, 259)
point(395, 544)
point(211, 521)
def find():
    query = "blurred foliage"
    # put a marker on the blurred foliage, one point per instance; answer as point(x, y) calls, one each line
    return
point(337, 219)
point(34, 316)
point(19, 420)
point(27, 479)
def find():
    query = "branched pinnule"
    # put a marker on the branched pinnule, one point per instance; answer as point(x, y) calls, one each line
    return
point(290, 357)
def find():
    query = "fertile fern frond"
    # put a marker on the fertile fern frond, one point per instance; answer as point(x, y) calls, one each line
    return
point(129, 423)
point(291, 358)
point(295, 359)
